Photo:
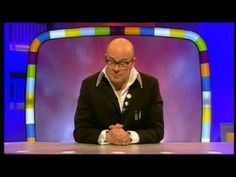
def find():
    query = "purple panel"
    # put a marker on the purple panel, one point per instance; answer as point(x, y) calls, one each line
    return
point(63, 64)
point(117, 30)
point(32, 58)
point(204, 58)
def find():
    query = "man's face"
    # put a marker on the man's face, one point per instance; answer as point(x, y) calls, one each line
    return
point(118, 69)
point(120, 59)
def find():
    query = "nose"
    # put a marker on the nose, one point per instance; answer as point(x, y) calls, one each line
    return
point(116, 68)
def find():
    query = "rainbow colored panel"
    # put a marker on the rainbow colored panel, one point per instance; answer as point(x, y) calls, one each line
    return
point(102, 31)
point(147, 32)
point(206, 84)
point(35, 45)
point(132, 30)
point(43, 37)
point(72, 32)
point(87, 31)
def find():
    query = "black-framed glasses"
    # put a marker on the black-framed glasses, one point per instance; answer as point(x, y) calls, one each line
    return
point(122, 64)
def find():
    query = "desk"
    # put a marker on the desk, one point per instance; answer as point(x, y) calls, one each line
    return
point(77, 148)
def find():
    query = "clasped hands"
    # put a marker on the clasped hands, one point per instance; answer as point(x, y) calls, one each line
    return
point(117, 135)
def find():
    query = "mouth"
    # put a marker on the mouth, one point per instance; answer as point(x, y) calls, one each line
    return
point(116, 76)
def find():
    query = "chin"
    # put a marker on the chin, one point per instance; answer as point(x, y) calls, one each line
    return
point(116, 81)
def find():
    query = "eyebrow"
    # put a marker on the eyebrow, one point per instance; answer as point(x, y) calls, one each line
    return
point(123, 59)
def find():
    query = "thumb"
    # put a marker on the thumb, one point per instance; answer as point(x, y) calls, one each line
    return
point(117, 125)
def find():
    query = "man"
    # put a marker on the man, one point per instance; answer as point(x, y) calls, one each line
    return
point(119, 105)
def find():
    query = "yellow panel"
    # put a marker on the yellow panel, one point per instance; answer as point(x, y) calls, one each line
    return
point(29, 101)
point(177, 33)
point(206, 116)
point(31, 140)
point(72, 32)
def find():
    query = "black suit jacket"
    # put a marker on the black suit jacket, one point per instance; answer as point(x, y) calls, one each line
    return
point(98, 108)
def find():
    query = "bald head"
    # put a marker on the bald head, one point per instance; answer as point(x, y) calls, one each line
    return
point(120, 48)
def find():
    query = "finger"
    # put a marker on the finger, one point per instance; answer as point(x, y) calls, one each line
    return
point(108, 137)
point(125, 141)
point(117, 132)
point(111, 126)
point(117, 125)
point(121, 136)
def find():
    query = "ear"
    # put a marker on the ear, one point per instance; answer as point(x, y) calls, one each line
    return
point(134, 61)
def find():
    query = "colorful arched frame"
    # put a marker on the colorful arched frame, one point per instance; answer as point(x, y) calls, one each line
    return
point(127, 31)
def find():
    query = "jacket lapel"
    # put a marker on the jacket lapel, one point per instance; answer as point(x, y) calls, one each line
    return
point(108, 92)
point(134, 90)
point(106, 88)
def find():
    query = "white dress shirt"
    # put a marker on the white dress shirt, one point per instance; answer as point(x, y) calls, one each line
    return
point(121, 97)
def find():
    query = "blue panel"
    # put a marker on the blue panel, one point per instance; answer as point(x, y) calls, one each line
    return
point(14, 96)
point(220, 38)
point(147, 31)
point(31, 131)
point(206, 84)
point(44, 37)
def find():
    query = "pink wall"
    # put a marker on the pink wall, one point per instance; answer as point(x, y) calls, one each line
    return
point(63, 64)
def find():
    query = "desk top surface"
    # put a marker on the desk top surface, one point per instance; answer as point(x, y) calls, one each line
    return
point(78, 148)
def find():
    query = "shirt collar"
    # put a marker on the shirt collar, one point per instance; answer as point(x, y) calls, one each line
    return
point(134, 73)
